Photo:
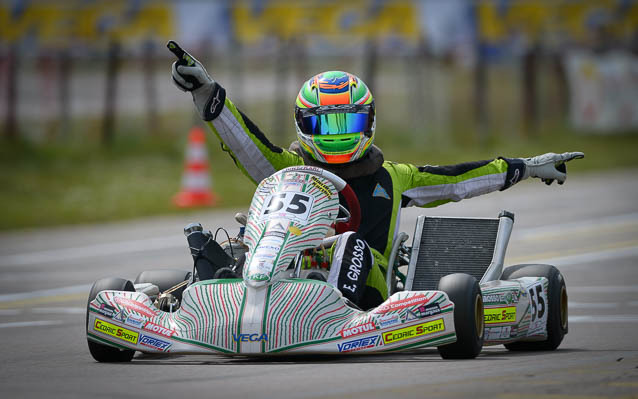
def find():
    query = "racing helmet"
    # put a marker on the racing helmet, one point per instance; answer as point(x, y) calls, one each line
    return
point(335, 117)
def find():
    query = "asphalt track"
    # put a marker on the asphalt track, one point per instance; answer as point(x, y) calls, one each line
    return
point(588, 228)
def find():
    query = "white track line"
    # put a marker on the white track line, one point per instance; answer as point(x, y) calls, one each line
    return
point(59, 310)
point(566, 228)
point(10, 312)
point(51, 310)
point(604, 289)
point(74, 289)
point(31, 323)
point(559, 261)
point(178, 241)
point(607, 254)
point(90, 251)
point(598, 319)
point(594, 305)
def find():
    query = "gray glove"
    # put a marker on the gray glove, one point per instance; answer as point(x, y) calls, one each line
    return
point(549, 167)
point(190, 75)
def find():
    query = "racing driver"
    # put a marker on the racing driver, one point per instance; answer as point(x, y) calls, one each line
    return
point(335, 122)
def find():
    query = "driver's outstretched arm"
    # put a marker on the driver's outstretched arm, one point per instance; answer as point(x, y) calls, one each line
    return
point(430, 186)
point(253, 154)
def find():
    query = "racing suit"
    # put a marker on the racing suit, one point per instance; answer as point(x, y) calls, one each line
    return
point(382, 187)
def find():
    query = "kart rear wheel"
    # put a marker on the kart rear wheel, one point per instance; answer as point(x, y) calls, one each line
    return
point(106, 353)
point(557, 325)
point(465, 292)
point(165, 279)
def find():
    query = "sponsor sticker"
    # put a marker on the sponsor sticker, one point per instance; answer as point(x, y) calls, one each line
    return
point(401, 304)
point(107, 310)
point(265, 254)
point(153, 342)
point(430, 310)
point(417, 330)
point(305, 169)
point(501, 297)
point(250, 337)
point(157, 329)
point(262, 266)
point(278, 226)
point(269, 248)
point(291, 187)
point(359, 344)
point(294, 178)
point(514, 332)
point(498, 333)
point(271, 240)
point(275, 234)
point(134, 321)
point(505, 332)
point(356, 330)
point(493, 298)
point(115, 331)
point(500, 315)
point(320, 186)
point(411, 316)
point(493, 333)
point(257, 277)
point(120, 316)
point(380, 192)
point(135, 306)
point(388, 320)
point(294, 230)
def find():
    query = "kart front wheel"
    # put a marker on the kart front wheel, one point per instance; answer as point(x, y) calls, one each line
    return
point(557, 306)
point(106, 353)
point(464, 291)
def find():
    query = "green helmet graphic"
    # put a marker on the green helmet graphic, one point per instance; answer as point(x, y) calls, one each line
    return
point(335, 117)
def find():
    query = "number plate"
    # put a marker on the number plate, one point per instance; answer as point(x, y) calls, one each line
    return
point(294, 206)
point(538, 308)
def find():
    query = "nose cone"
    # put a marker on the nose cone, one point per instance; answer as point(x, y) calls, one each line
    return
point(256, 283)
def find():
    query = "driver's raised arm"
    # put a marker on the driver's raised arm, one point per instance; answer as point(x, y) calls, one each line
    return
point(255, 156)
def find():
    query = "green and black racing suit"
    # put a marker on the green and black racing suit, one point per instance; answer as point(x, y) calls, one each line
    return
point(382, 187)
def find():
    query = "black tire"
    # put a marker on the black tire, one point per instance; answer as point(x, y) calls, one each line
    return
point(557, 321)
point(165, 279)
point(100, 352)
point(465, 292)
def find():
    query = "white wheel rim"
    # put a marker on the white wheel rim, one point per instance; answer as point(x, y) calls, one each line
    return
point(478, 315)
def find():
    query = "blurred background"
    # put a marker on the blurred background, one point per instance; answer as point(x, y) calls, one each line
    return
point(92, 129)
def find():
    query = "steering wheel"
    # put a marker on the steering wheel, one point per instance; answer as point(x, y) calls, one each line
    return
point(354, 209)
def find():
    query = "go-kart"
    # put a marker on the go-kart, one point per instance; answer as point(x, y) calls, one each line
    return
point(447, 291)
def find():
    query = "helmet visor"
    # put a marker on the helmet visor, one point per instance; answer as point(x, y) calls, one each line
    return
point(335, 120)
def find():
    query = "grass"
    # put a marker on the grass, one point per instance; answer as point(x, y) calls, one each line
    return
point(81, 181)
point(46, 185)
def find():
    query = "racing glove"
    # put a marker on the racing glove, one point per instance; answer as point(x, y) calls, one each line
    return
point(190, 75)
point(549, 167)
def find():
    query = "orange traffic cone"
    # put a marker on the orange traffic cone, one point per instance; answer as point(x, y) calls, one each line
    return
point(196, 189)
